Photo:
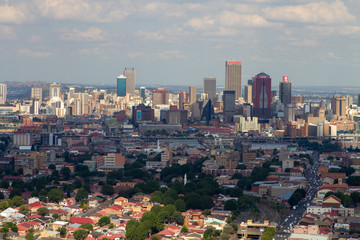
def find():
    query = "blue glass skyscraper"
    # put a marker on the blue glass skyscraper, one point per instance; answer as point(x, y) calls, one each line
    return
point(121, 86)
point(142, 92)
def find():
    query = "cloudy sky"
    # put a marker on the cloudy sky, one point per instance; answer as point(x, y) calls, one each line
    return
point(179, 42)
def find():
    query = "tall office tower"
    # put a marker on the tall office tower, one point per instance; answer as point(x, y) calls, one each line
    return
point(285, 91)
point(84, 103)
point(130, 80)
point(142, 93)
point(349, 100)
point(233, 77)
point(160, 96)
point(36, 93)
point(248, 93)
point(209, 87)
point(229, 105)
point(192, 94)
point(71, 93)
point(338, 106)
point(262, 96)
point(54, 91)
point(3, 93)
point(289, 113)
point(183, 98)
point(359, 100)
point(121, 86)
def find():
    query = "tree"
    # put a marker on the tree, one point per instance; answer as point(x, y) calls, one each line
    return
point(87, 226)
point(24, 209)
point(15, 192)
point(157, 196)
point(178, 218)
point(81, 195)
point(268, 234)
point(55, 195)
point(207, 212)
point(105, 220)
point(184, 229)
point(80, 234)
point(43, 211)
point(107, 189)
point(4, 205)
point(55, 216)
point(17, 201)
point(29, 236)
point(4, 184)
point(231, 205)
point(180, 205)
point(52, 166)
point(62, 232)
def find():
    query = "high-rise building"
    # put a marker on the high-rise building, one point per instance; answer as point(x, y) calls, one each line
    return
point(160, 96)
point(285, 91)
point(262, 96)
point(233, 77)
point(121, 86)
point(36, 93)
point(183, 99)
point(359, 100)
point(338, 106)
point(84, 103)
point(54, 91)
point(3, 93)
point(229, 105)
point(192, 94)
point(248, 93)
point(209, 87)
point(130, 80)
point(143, 93)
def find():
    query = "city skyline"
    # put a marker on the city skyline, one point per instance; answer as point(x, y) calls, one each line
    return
point(315, 43)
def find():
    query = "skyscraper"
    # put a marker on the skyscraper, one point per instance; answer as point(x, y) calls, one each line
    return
point(338, 106)
point(262, 96)
point(359, 100)
point(54, 91)
point(233, 77)
point(129, 73)
point(160, 96)
point(229, 105)
point(36, 93)
point(142, 92)
point(183, 98)
point(209, 87)
point(285, 91)
point(192, 94)
point(248, 93)
point(121, 86)
point(3, 93)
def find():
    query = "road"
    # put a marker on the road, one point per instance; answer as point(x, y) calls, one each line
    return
point(294, 215)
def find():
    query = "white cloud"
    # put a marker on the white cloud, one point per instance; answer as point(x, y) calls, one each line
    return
point(7, 32)
point(150, 35)
point(91, 51)
point(230, 18)
point(315, 12)
point(330, 30)
point(136, 54)
point(14, 13)
point(201, 23)
point(91, 34)
point(37, 54)
point(303, 43)
point(89, 11)
point(35, 38)
point(166, 54)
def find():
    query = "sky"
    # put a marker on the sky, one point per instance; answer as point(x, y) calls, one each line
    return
point(177, 42)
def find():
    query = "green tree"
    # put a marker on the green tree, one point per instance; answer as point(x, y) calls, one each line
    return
point(4, 184)
point(80, 234)
point(15, 192)
point(157, 196)
point(62, 232)
point(268, 234)
point(87, 226)
point(17, 201)
point(29, 236)
point(55, 216)
point(207, 212)
point(178, 218)
point(184, 229)
point(180, 205)
point(55, 195)
point(231, 205)
point(24, 209)
point(81, 195)
point(4, 205)
point(107, 189)
point(105, 220)
point(43, 211)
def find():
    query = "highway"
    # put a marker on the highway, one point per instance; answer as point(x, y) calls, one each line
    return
point(285, 227)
